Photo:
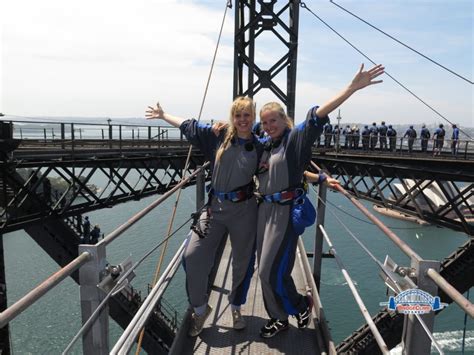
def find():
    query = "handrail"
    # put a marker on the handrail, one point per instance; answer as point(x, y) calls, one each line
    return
point(80, 123)
point(127, 339)
point(456, 296)
point(464, 147)
point(400, 243)
point(118, 231)
point(31, 297)
point(397, 286)
point(318, 306)
point(378, 337)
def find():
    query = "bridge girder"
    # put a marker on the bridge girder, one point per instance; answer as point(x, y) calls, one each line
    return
point(253, 19)
point(427, 189)
point(64, 189)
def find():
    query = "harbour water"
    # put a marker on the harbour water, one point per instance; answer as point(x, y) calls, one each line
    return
point(49, 325)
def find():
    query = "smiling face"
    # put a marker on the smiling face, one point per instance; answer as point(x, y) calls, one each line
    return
point(243, 122)
point(242, 117)
point(273, 120)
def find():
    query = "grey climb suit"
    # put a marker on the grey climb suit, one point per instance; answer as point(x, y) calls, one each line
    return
point(276, 239)
point(236, 168)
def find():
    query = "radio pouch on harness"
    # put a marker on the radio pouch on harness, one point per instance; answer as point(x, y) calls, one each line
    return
point(302, 215)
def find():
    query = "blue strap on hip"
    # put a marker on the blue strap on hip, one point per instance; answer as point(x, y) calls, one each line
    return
point(293, 196)
point(241, 194)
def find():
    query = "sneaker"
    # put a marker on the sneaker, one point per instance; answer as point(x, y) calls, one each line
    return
point(304, 318)
point(197, 322)
point(273, 327)
point(238, 320)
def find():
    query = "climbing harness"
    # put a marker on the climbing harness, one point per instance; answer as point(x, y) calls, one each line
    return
point(240, 194)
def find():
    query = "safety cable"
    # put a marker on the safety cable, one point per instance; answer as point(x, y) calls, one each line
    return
point(94, 314)
point(188, 158)
point(363, 309)
point(349, 231)
point(400, 42)
point(388, 232)
point(380, 265)
point(304, 6)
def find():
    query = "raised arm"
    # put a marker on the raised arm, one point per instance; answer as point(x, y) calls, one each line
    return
point(154, 113)
point(361, 80)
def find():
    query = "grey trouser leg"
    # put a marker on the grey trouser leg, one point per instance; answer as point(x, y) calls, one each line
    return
point(199, 259)
point(242, 233)
point(237, 219)
point(276, 247)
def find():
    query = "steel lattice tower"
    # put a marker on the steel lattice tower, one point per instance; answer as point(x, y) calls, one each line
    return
point(253, 18)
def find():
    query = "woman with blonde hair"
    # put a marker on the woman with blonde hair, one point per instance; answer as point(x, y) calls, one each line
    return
point(284, 211)
point(231, 209)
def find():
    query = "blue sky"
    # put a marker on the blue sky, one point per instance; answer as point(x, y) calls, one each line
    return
point(113, 58)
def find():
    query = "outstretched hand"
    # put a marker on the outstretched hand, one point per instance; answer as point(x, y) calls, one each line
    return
point(155, 112)
point(366, 78)
point(332, 183)
point(218, 127)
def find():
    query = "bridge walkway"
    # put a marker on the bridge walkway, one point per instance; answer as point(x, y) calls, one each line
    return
point(218, 336)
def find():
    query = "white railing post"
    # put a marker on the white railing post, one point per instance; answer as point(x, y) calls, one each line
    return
point(96, 339)
point(414, 338)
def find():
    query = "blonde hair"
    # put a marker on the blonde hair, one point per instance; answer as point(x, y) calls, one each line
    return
point(276, 107)
point(240, 104)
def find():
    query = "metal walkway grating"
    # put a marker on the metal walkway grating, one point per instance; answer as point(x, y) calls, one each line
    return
point(218, 337)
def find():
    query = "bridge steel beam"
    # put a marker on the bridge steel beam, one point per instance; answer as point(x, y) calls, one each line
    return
point(257, 19)
point(64, 189)
point(60, 238)
point(4, 331)
point(374, 179)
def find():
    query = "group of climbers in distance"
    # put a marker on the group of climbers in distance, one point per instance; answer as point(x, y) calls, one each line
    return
point(384, 138)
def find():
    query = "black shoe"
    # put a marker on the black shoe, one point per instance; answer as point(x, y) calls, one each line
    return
point(304, 318)
point(273, 327)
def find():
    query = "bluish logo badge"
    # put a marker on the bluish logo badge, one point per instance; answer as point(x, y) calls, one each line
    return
point(414, 301)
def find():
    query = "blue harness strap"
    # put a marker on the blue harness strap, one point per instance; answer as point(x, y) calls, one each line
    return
point(291, 196)
point(238, 195)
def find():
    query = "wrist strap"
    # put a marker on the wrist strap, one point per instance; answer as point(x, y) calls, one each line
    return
point(322, 177)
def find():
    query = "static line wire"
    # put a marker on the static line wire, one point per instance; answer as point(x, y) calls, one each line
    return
point(380, 265)
point(360, 302)
point(303, 5)
point(349, 231)
point(367, 222)
point(186, 165)
point(403, 44)
point(99, 308)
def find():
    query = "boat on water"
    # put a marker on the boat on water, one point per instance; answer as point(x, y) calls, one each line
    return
point(399, 215)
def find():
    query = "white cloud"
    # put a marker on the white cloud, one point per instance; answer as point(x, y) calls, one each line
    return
point(112, 58)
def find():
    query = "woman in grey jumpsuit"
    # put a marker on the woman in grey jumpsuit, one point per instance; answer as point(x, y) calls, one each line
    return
point(232, 207)
point(286, 156)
